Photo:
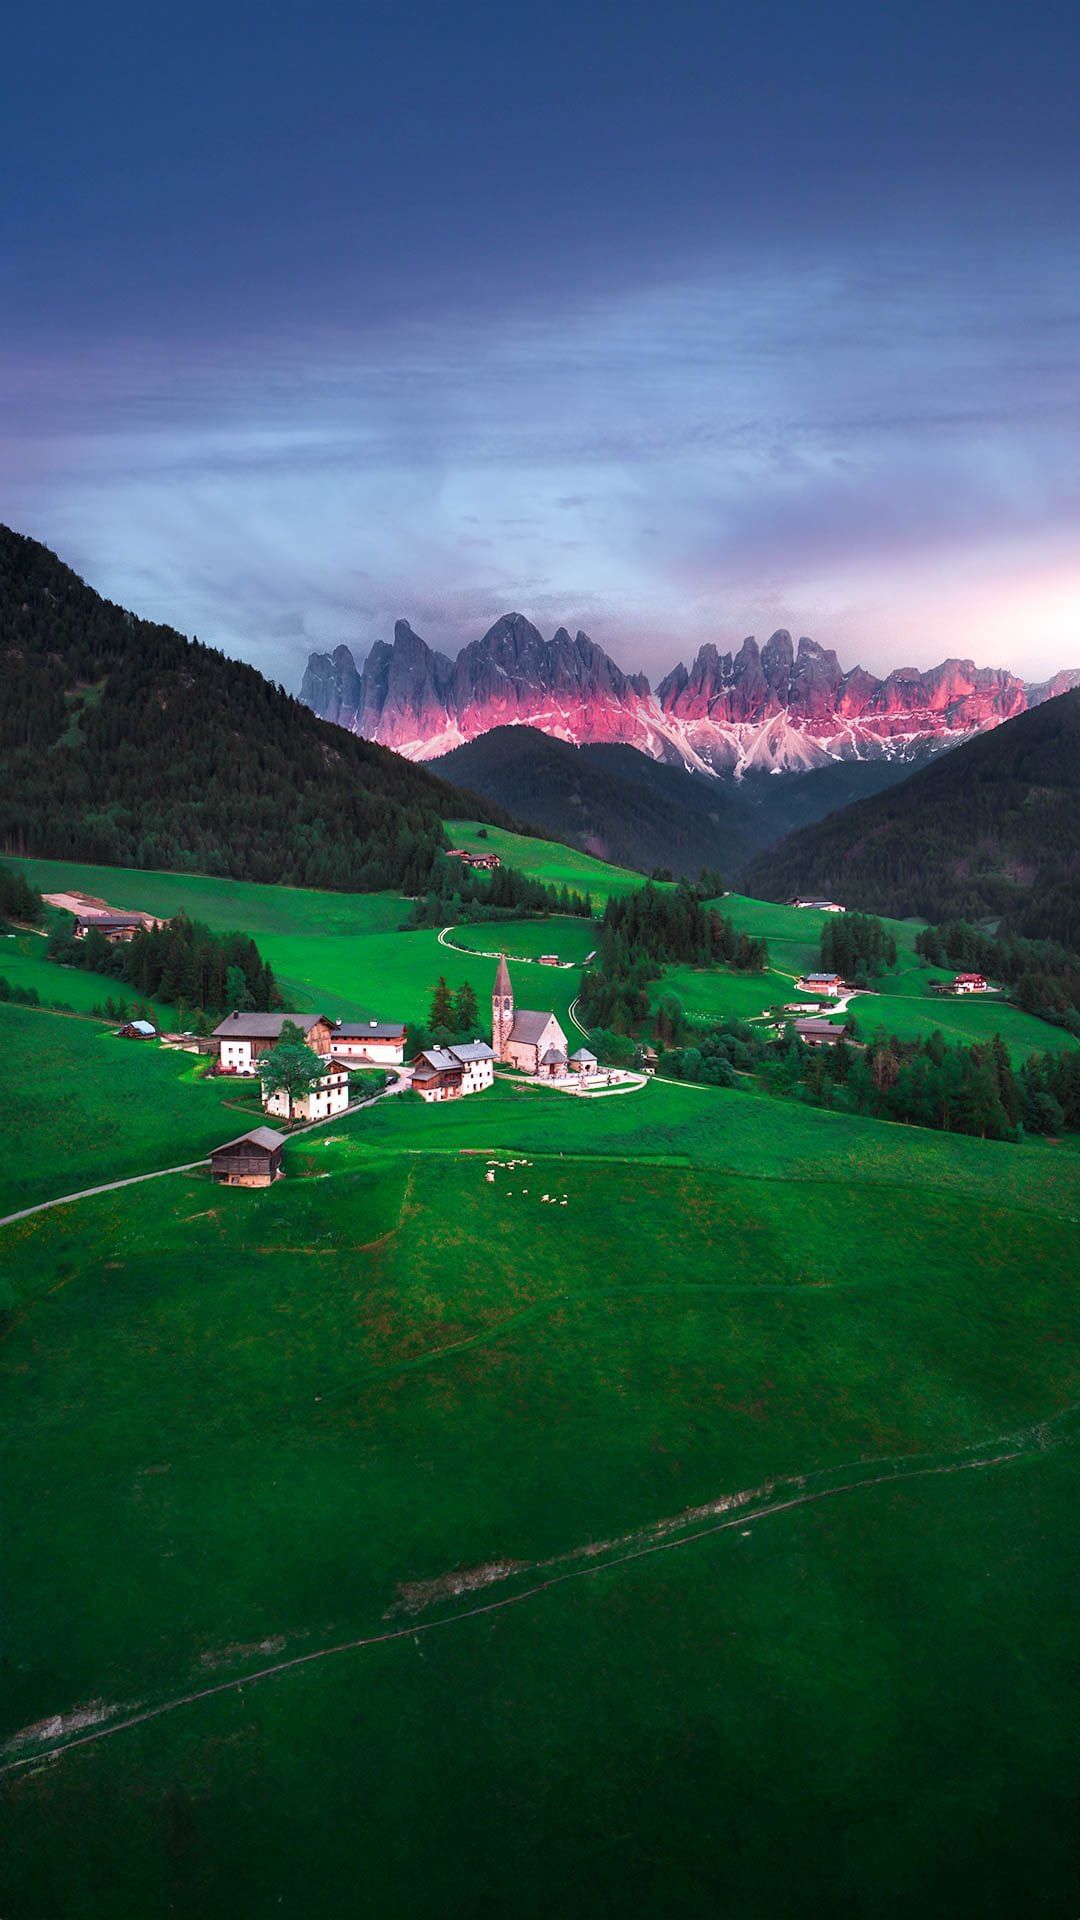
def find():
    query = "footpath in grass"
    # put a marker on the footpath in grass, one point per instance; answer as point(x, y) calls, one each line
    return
point(93, 1108)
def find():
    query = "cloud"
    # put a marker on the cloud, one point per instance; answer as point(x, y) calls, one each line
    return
point(881, 456)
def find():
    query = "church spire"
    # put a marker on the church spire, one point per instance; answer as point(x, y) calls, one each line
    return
point(502, 1008)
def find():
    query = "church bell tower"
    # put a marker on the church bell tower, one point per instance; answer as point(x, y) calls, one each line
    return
point(502, 1009)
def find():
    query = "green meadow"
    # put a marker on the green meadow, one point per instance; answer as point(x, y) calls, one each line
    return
point(84, 1107)
point(705, 1544)
point(547, 860)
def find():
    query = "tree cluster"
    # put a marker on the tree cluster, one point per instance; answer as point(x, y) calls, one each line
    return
point(1043, 977)
point(452, 1018)
point(856, 946)
point(645, 931)
point(458, 895)
point(18, 899)
point(182, 962)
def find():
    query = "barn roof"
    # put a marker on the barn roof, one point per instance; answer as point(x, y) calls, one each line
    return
point(264, 1137)
point(263, 1026)
point(142, 1026)
point(529, 1026)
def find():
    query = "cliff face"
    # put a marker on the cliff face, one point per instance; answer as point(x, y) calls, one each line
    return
point(779, 707)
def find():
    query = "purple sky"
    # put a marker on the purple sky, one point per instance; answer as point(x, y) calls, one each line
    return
point(672, 324)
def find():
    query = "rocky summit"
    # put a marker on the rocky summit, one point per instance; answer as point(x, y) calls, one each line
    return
point(781, 707)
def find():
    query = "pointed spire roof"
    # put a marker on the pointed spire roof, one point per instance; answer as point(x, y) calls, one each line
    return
point(502, 977)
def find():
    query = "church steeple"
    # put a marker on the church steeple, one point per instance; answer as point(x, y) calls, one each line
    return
point(502, 1008)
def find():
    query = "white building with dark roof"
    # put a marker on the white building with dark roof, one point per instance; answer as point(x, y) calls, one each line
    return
point(375, 1043)
point(521, 1036)
point(446, 1073)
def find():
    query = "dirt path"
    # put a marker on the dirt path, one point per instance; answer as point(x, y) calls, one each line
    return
point(400, 1085)
point(737, 1512)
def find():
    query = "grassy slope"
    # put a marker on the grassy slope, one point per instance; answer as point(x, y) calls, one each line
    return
point(902, 1005)
point(276, 1408)
point(548, 860)
point(92, 1107)
point(23, 963)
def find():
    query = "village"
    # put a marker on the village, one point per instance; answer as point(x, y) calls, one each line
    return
point(527, 1041)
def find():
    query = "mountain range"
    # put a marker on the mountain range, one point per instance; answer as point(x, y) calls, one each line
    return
point(780, 707)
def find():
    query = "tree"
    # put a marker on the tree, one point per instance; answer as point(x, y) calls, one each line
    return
point(291, 1068)
point(466, 1011)
point(442, 1007)
point(238, 995)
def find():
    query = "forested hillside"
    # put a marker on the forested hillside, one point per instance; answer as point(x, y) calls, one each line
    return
point(615, 802)
point(123, 742)
point(990, 831)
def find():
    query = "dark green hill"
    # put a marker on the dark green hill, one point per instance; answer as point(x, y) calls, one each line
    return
point(991, 831)
point(123, 742)
point(615, 802)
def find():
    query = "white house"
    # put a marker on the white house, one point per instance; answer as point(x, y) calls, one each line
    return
point(820, 983)
point(328, 1095)
point(969, 983)
point(521, 1037)
point(446, 1073)
point(821, 906)
point(374, 1043)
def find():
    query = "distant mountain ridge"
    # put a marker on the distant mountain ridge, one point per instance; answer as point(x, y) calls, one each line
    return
point(776, 708)
point(990, 832)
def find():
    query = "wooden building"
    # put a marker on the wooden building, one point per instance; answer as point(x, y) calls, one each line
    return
point(819, 1033)
point(116, 928)
point(243, 1037)
point(448, 1073)
point(252, 1160)
point(137, 1030)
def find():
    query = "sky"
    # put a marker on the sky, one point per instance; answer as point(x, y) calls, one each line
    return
point(671, 323)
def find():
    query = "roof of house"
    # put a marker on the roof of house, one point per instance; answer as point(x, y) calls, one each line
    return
point(821, 976)
point(970, 976)
point(264, 1137)
point(263, 1026)
point(369, 1029)
point(92, 919)
point(530, 1026)
point(439, 1060)
point(502, 977)
point(473, 1050)
point(584, 1054)
point(142, 1026)
point(817, 1026)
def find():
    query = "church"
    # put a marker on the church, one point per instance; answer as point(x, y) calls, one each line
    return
point(533, 1042)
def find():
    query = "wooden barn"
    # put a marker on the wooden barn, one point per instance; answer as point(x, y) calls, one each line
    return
point(252, 1160)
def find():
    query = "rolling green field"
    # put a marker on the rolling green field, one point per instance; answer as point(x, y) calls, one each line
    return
point(85, 1107)
point(547, 860)
point(706, 1544)
point(23, 963)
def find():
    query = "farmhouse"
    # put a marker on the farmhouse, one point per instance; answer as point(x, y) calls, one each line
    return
point(819, 1033)
point(252, 1160)
point(969, 983)
point(328, 1095)
point(117, 928)
point(446, 1073)
point(375, 1043)
point(820, 983)
point(243, 1037)
point(484, 862)
point(521, 1038)
point(821, 906)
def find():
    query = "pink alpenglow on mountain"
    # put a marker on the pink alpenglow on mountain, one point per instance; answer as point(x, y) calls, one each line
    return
point(776, 708)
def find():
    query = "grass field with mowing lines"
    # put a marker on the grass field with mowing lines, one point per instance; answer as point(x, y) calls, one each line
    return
point(298, 1417)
